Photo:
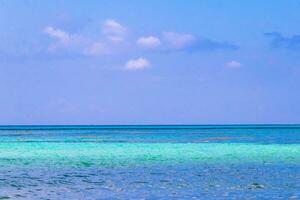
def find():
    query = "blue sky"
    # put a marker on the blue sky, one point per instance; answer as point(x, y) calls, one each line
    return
point(149, 62)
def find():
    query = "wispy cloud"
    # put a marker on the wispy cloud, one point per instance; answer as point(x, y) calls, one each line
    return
point(233, 64)
point(114, 31)
point(97, 49)
point(137, 64)
point(280, 41)
point(108, 43)
point(65, 42)
point(148, 42)
point(64, 39)
point(191, 43)
point(178, 40)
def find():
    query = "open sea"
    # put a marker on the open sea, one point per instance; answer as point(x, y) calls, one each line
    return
point(150, 162)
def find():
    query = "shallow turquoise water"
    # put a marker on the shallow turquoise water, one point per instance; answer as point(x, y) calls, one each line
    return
point(150, 162)
point(98, 154)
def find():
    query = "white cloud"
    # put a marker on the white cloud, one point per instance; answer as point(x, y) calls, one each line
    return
point(137, 64)
point(57, 33)
point(149, 42)
point(178, 40)
point(233, 64)
point(114, 31)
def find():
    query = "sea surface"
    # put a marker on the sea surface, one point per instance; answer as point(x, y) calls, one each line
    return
point(150, 162)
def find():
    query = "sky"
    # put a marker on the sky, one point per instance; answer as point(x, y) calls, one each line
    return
point(149, 62)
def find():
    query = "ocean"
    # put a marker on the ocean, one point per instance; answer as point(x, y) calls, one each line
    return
point(150, 162)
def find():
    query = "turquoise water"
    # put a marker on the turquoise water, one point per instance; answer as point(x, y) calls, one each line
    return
point(150, 162)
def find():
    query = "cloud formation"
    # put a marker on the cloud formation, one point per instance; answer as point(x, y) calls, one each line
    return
point(191, 43)
point(57, 33)
point(114, 39)
point(97, 49)
point(64, 40)
point(280, 41)
point(137, 64)
point(233, 64)
point(178, 40)
point(114, 35)
point(114, 31)
point(110, 42)
point(148, 42)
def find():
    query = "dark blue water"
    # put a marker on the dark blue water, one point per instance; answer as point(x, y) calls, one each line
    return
point(264, 134)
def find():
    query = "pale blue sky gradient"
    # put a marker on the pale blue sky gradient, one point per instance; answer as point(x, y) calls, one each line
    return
point(212, 62)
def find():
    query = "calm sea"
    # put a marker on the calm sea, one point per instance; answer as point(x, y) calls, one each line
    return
point(150, 162)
